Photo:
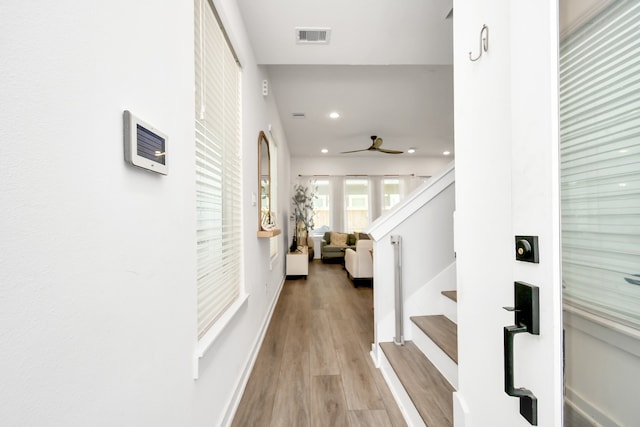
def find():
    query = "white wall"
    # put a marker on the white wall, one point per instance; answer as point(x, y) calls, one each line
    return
point(97, 259)
point(601, 368)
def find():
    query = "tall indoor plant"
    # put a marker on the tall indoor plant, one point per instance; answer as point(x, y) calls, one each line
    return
point(302, 201)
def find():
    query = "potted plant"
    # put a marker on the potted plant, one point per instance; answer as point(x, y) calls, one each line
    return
point(302, 202)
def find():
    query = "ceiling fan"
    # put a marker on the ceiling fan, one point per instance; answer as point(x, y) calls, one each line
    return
point(375, 146)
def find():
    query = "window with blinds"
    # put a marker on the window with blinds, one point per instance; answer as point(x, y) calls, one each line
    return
point(218, 169)
point(600, 163)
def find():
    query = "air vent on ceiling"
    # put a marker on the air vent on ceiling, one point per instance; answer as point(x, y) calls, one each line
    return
point(298, 115)
point(313, 35)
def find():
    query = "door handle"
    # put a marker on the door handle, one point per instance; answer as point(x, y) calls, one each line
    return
point(527, 319)
point(528, 401)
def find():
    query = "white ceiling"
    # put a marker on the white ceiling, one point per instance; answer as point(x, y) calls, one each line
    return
point(387, 70)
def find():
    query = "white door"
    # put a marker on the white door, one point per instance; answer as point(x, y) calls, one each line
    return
point(506, 131)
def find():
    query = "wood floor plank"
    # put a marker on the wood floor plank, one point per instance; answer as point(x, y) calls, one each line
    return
point(328, 405)
point(324, 360)
point(362, 312)
point(442, 331)
point(393, 411)
point(256, 405)
point(359, 388)
point(342, 332)
point(291, 405)
point(338, 309)
point(366, 418)
point(285, 387)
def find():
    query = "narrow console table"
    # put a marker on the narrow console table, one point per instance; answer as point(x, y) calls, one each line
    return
point(298, 262)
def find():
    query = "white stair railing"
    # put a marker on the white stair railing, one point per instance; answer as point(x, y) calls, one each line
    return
point(396, 241)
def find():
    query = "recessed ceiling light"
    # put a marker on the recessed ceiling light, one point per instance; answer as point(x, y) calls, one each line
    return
point(411, 150)
point(324, 151)
point(334, 115)
point(446, 153)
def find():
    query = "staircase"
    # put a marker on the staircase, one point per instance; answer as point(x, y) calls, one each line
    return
point(427, 368)
point(423, 373)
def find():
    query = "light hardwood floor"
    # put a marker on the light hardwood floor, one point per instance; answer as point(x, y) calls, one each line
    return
point(314, 368)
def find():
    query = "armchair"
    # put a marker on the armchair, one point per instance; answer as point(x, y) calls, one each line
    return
point(359, 262)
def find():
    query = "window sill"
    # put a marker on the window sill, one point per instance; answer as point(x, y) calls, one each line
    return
point(205, 343)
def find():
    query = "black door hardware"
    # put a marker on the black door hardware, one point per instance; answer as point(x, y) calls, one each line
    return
point(527, 249)
point(527, 319)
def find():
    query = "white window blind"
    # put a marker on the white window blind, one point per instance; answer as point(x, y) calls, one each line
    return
point(600, 163)
point(218, 177)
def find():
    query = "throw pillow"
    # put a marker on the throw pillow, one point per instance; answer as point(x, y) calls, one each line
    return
point(338, 239)
point(351, 239)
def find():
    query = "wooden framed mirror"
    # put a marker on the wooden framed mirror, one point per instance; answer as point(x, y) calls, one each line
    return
point(267, 226)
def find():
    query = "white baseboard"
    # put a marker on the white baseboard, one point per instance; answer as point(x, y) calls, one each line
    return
point(588, 411)
point(460, 411)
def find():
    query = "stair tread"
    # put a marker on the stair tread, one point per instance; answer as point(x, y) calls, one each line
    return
point(442, 331)
point(452, 295)
point(430, 392)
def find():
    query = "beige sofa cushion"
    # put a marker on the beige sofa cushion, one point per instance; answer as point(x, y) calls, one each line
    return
point(339, 239)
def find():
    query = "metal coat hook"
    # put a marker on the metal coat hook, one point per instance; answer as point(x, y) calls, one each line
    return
point(484, 43)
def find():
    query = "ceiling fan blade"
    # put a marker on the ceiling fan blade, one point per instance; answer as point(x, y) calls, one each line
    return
point(354, 151)
point(383, 150)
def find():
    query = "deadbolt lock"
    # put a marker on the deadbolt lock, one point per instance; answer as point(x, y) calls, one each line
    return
point(527, 248)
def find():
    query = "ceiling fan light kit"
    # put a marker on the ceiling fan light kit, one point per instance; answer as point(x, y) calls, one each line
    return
point(375, 146)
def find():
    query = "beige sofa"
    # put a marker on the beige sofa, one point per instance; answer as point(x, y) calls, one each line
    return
point(331, 250)
point(359, 261)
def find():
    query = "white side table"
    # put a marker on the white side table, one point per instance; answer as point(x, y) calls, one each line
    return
point(298, 262)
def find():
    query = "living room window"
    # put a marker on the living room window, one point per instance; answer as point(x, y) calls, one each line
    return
point(390, 193)
point(218, 168)
point(356, 192)
point(322, 204)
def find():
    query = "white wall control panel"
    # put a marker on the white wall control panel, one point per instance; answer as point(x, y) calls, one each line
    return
point(144, 145)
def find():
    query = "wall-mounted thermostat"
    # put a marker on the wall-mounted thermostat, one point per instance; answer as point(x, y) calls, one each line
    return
point(144, 145)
